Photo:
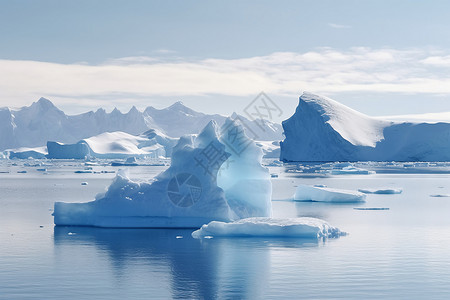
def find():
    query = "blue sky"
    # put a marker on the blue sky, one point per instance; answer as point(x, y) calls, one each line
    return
point(380, 57)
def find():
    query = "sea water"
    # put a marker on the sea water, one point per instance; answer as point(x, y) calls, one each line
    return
point(399, 252)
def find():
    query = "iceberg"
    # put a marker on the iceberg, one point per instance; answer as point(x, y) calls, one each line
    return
point(269, 227)
point(204, 183)
point(25, 153)
point(115, 145)
point(322, 129)
point(246, 182)
point(350, 170)
point(324, 194)
point(381, 191)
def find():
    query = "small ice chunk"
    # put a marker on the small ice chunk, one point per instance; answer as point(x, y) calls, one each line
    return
point(269, 227)
point(320, 194)
point(440, 195)
point(371, 208)
point(381, 191)
point(84, 183)
point(320, 185)
point(179, 237)
point(350, 170)
point(131, 160)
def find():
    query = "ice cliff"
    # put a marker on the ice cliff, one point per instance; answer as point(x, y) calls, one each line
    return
point(322, 129)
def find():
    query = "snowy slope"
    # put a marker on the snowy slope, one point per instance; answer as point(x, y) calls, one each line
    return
point(322, 129)
point(420, 118)
point(33, 126)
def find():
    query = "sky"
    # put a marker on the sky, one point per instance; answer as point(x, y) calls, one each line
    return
point(379, 57)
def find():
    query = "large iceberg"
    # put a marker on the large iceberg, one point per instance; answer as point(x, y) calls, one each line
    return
point(190, 192)
point(322, 129)
point(117, 144)
point(25, 153)
point(269, 227)
point(325, 194)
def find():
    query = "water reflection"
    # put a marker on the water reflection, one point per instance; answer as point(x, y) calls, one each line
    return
point(200, 269)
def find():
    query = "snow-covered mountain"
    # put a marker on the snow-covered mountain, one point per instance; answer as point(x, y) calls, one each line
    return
point(322, 129)
point(34, 125)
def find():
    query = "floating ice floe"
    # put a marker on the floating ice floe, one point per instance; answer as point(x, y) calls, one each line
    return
point(381, 191)
point(269, 227)
point(216, 176)
point(323, 194)
point(350, 170)
point(371, 208)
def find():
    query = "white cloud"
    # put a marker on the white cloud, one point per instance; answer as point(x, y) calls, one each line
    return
point(338, 26)
point(438, 61)
point(325, 71)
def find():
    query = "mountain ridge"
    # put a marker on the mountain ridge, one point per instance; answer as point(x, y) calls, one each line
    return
point(42, 121)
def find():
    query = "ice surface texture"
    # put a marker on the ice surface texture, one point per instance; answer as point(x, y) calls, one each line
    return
point(214, 176)
point(324, 194)
point(324, 130)
point(268, 227)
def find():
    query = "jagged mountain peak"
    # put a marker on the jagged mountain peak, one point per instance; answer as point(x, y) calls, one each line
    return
point(44, 104)
point(133, 110)
point(43, 121)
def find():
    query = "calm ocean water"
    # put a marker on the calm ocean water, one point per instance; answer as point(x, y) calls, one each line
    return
point(400, 253)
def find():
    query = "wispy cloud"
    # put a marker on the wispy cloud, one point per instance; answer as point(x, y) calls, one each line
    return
point(325, 70)
point(338, 26)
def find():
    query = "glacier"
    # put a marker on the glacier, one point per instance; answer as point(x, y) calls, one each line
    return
point(323, 129)
point(204, 183)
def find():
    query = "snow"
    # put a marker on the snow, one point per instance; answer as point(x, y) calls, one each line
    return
point(322, 129)
point(188, 194)
point(420, 118)
point(381, 191)
point(114, 145)
point(324, 194)
point(35, 125)
point(353, 126)
point(269, 227)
